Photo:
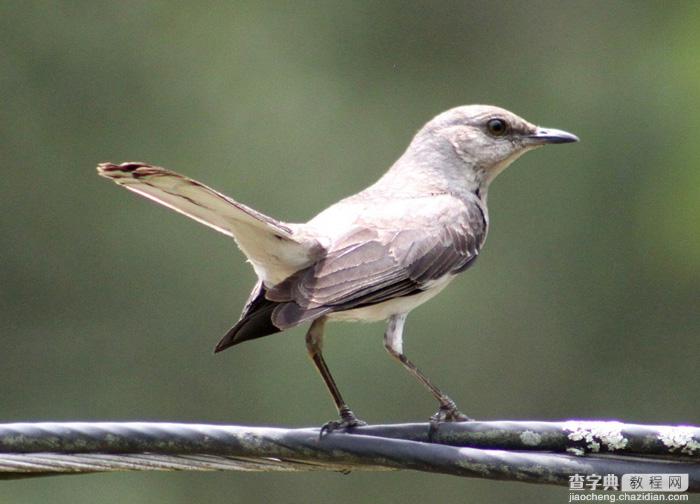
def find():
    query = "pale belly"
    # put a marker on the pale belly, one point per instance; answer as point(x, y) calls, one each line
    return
point(383, 311)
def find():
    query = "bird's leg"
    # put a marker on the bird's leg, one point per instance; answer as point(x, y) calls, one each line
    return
point(314, 344)
point(393, 342)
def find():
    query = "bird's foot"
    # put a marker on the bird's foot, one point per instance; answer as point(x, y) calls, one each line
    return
point(347, 421)
point(448, 412)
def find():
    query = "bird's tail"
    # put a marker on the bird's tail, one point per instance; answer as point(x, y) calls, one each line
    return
point(256, 323)
point(275, 249)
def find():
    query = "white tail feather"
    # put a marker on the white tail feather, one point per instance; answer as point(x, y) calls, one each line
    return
point(275, 249)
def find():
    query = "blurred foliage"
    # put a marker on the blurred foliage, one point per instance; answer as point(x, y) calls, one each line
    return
point(585, 302)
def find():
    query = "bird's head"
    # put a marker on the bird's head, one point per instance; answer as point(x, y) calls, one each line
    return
point(485, 139)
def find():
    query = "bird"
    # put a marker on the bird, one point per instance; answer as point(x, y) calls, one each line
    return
point(373, 256)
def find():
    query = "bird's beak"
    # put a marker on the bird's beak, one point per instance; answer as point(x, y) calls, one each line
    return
point(543, 136)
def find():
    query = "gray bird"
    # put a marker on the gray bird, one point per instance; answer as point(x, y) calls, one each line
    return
point(372, 256)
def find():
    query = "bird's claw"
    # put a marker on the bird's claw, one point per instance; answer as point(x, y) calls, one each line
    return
point(347, 421)
point(449, 413)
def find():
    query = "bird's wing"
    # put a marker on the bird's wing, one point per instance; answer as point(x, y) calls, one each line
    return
point(274, 248)
point(370, 265)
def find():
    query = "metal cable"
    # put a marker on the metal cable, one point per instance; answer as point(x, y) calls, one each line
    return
point(463, 449)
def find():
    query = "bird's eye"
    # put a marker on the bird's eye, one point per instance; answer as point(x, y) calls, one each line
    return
point(497, 127)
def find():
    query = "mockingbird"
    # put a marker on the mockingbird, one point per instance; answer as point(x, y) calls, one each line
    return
point(372, 256)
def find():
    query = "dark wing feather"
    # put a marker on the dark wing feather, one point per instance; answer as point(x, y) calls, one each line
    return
point(371, 265)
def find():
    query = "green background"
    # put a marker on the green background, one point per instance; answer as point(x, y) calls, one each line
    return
point(584, 304)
